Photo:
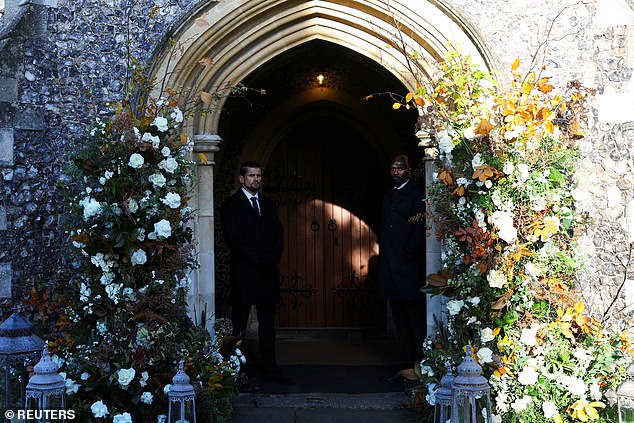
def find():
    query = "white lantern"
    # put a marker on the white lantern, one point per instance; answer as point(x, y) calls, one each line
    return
point(182, 398)
point(471, 393)
point(444, 397)
point(46, 389)
point(625, 396)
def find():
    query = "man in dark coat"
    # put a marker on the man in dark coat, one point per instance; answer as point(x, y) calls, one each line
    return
point(255, 237)
point(402, 259)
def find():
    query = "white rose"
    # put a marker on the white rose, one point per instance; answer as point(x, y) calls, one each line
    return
point(133, 206)
point(486, 335)
point(549, 409)
point(165, 151)
point(157, 179)
point(160, 123)
point(122, 418)
point(529, 336)
point(152, 139)
point(445, 143)
point(99, 409)
point(508, 168)
point(147, 397)
point(454, 306)
point(496, 279)
point(177, 115)
point(139, 257)
point(523, 171)
point(91, 207)
point(477, 161)
point(521, 403)
point(136, 161)
point(504, 222)
point(172, 200)
point(469, 133)
point(125, 376)
point(485, 355)
point(163, 228)
point(169, 165)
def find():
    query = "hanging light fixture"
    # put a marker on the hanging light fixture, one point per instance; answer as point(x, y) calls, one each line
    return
point(46, 389)
point(320, 79)
point(444, 397)
point(19, 348)
point(625, 396)
point(471, 393)
point(182, 398)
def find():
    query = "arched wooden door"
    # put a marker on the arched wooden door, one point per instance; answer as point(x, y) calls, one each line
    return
point(327, 183)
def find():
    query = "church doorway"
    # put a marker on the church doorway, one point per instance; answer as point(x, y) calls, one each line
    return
point(325, 150)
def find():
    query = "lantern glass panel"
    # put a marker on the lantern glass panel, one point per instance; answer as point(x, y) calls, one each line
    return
point(12, 384)
point(182, 410)
point(471, 407)
point(626, 409)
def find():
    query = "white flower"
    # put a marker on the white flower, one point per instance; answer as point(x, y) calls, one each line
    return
point(477, 161)
point(486, 335)
point(474, 300)
point(445, 143)
point(71, 387)
point(575, 385)
point(431, 396)
point(113, 290)
point(521, 403)
point(152, 139)
point(485, 355)
point(144, 377)
point(163, 228)
point(125, 376)
point(162, 418)
point(578, 194)
point(496, 279)
point(122, 418)
point(169, 164)
point(172, 200)
point(522, 168)
point(549, 409)
point(160, 123)
point(595, 392)
point(529, 336)
point(91, 207)
point(177, 115)
point(139, 257)
point(84, 293)
point(488, 184)
point(532, 269)
point(469, 133)
point(85, 376)
point(133, 206)
point(165, 151)
point(528, 376)
point(157, 179)
point(504, 222)
point(508, 168)
point(99, 409)
point(136, 161)
point(454, 306)
point(167, 388)
point(147, 397)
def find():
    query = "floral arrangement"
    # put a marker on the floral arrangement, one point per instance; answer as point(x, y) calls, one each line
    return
point(130, 226)
point(504, 206)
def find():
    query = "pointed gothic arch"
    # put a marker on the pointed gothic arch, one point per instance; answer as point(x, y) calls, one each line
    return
point(242, 35)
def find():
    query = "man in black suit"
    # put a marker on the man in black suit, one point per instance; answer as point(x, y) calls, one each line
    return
point(402, 259)
point(255, 237)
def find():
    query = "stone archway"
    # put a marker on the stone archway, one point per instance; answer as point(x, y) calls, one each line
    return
point(242, 35)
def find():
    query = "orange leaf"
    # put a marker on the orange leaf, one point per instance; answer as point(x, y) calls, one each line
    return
point(515, 64)
point(409, 97)
point(419, 101)
point(484, 127)
point(183, 138)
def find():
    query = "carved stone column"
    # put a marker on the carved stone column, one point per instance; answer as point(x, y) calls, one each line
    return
point(432, 246)
point(203, 290)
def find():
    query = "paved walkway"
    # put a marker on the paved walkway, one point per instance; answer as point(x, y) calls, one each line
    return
point(322, 408)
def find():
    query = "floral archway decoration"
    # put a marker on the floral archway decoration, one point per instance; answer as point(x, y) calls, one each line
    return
point(503, 200)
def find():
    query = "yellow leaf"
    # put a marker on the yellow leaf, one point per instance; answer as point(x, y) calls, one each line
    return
point(206, 98)
point(396, 106)
point(183, 138)
point(579, 307)
point(550, 127)
point(419, 101)
point(203, 158)
point(515, 64)
point(409, 97)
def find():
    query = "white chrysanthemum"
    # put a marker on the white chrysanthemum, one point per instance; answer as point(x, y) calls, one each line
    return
point(522, 169)
point(529, 336)
point(522, 403)
point(445, 143)
point(133, 206)
point(477, 161)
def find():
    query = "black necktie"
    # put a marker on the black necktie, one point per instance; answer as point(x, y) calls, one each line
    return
point(254, 201)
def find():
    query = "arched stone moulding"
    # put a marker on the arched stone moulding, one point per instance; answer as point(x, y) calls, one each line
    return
point(241, 35)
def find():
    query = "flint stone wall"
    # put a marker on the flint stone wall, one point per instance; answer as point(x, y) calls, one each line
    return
point(66, 59)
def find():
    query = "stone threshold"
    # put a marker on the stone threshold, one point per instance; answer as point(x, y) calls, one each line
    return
point(370, 401)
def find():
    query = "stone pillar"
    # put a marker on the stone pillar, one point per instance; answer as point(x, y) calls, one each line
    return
point(432, 247)
point(203, 289)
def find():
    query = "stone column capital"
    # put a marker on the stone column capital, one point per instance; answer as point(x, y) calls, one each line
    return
point(205, 147)
point(428, 144)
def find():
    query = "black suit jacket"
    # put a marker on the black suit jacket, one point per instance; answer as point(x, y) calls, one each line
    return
point(402, 244)
point(256, 244)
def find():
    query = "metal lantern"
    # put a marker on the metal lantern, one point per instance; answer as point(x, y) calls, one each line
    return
point(182, 398)
point(471, 393)
point(46, 389)
point(19, 347)
point(625, 396)
point(444, 397)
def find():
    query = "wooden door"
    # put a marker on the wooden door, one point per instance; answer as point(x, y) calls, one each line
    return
point(328, 187)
